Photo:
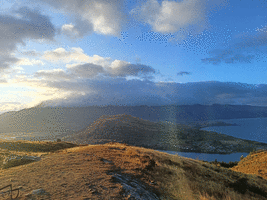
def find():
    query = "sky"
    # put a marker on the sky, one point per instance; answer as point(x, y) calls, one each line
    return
point(132, 52)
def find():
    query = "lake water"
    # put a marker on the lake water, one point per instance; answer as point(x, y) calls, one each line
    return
point(249, 128)
point(209, 157)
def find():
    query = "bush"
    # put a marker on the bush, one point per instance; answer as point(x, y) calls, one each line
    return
point(17, 162)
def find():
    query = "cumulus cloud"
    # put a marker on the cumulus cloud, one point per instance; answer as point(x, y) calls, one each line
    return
point(83, 66)
point(102, 16)
point(172, 17)
point(26, 61)
point(61, 55)
point(15, 29)
point(69, 30)
point(91, 71)
point(183, 73)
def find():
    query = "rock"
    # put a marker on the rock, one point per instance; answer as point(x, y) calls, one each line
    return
point(39, 192)
point(36, 193)
point(134, 188)
point(16, 157)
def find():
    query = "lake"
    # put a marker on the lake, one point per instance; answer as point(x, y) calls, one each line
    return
point(209, 157)
point(248, 128)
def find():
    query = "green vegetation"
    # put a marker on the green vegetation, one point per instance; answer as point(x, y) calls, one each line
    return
point(9, 159)
point(35, 146)
point(17, 162)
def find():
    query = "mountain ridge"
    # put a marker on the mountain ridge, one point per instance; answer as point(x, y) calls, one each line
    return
point(159, 136)
point(71, 119)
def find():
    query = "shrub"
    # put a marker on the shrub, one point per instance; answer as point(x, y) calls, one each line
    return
point(17, 162)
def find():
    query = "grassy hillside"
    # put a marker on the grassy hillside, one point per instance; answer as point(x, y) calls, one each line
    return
point(119, 171)
point(254, 163)
point(158, 135)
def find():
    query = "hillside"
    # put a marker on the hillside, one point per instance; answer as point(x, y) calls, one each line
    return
point(62, 120)
point(117, 171)
point(162, 136)
point(254, 163)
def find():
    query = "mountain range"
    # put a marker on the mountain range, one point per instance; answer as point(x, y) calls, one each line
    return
point(71, 119)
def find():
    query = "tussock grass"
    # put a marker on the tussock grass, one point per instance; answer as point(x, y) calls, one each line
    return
point(173, 177)
point(184, 178)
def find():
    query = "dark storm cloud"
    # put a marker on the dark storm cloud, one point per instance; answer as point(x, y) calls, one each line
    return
point(21, 25)
point(110, 90)
point(118, 69)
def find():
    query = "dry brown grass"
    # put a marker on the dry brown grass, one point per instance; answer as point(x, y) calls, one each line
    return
point(87, 172)
point(254, 163)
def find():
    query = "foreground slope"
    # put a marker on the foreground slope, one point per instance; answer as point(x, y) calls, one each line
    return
point(254, 163)
point(118, 171)
point(158, 135)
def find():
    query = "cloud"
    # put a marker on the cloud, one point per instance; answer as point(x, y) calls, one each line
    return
point(120, 91)
point(228, 56)
point(101, 16)
point(183, 73)
point(7, 106)
point(32, 53)
point(259, 38)
point(26, 61)
point(87, 70)
point(55, 74)
point(81, 65)
point(171, 17)
point(6, 60)
point(144, 92)
point(70, 30)
point(3, 80)
point(61, 55)
point(243, 49)
point(15, 29)
point(122, 69)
